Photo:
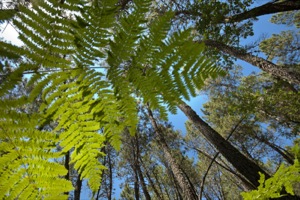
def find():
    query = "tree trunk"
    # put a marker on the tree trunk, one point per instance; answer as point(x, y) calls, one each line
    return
point(103, 149)
point(265, 9)
point(245, 183)
point(136, 186)
point(78, 188)
point(67, 166)
point(177, 188)
point(187, 189)
point(159, 184)
point(138, 169)
point(265, 65)
point(151, 182)
point(109, 195)
point(285, 154)
point(243, 165)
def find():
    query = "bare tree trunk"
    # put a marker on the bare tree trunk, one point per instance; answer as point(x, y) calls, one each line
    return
point(150, 181)
point(265, 9)
point(109, 195)
point(265, 65)
point(77, 191)
point(67, 166)
point(102, 175)
point(138, 168)
point(184, 184)
point(243, 165)
point(136, 186)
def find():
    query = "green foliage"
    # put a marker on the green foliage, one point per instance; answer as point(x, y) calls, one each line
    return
point(257, 99)
point(282, 180)
point(283, 48)
point(127, 193)
point(6, 14)
point(216, 22)
point(63, 41)
point(288, 18)
point(27, 168)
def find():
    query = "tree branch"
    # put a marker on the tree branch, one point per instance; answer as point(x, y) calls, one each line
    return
point(215, 157)
point(265, 65)
point(265, 9)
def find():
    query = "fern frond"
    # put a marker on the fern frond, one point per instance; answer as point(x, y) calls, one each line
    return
point(86, 106)
point(93, 31)
point(26, 162)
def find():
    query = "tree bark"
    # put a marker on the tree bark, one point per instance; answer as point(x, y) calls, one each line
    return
point(242, 164)
point(265, 9)
point(78, 188)
point(188, 191)
point(265, 65)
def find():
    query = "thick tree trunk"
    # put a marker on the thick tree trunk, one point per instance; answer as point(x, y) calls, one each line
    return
point(265, 65)
point(242, 164)
point(265, 9)
point(188, 191)
point(77, 191)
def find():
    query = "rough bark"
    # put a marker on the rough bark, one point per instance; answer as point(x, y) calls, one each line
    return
point(188, 191)
point(265, 9)
point(265, 65)
point(239, 161)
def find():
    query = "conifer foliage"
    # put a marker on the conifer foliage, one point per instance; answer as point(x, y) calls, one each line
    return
point(63, 42)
